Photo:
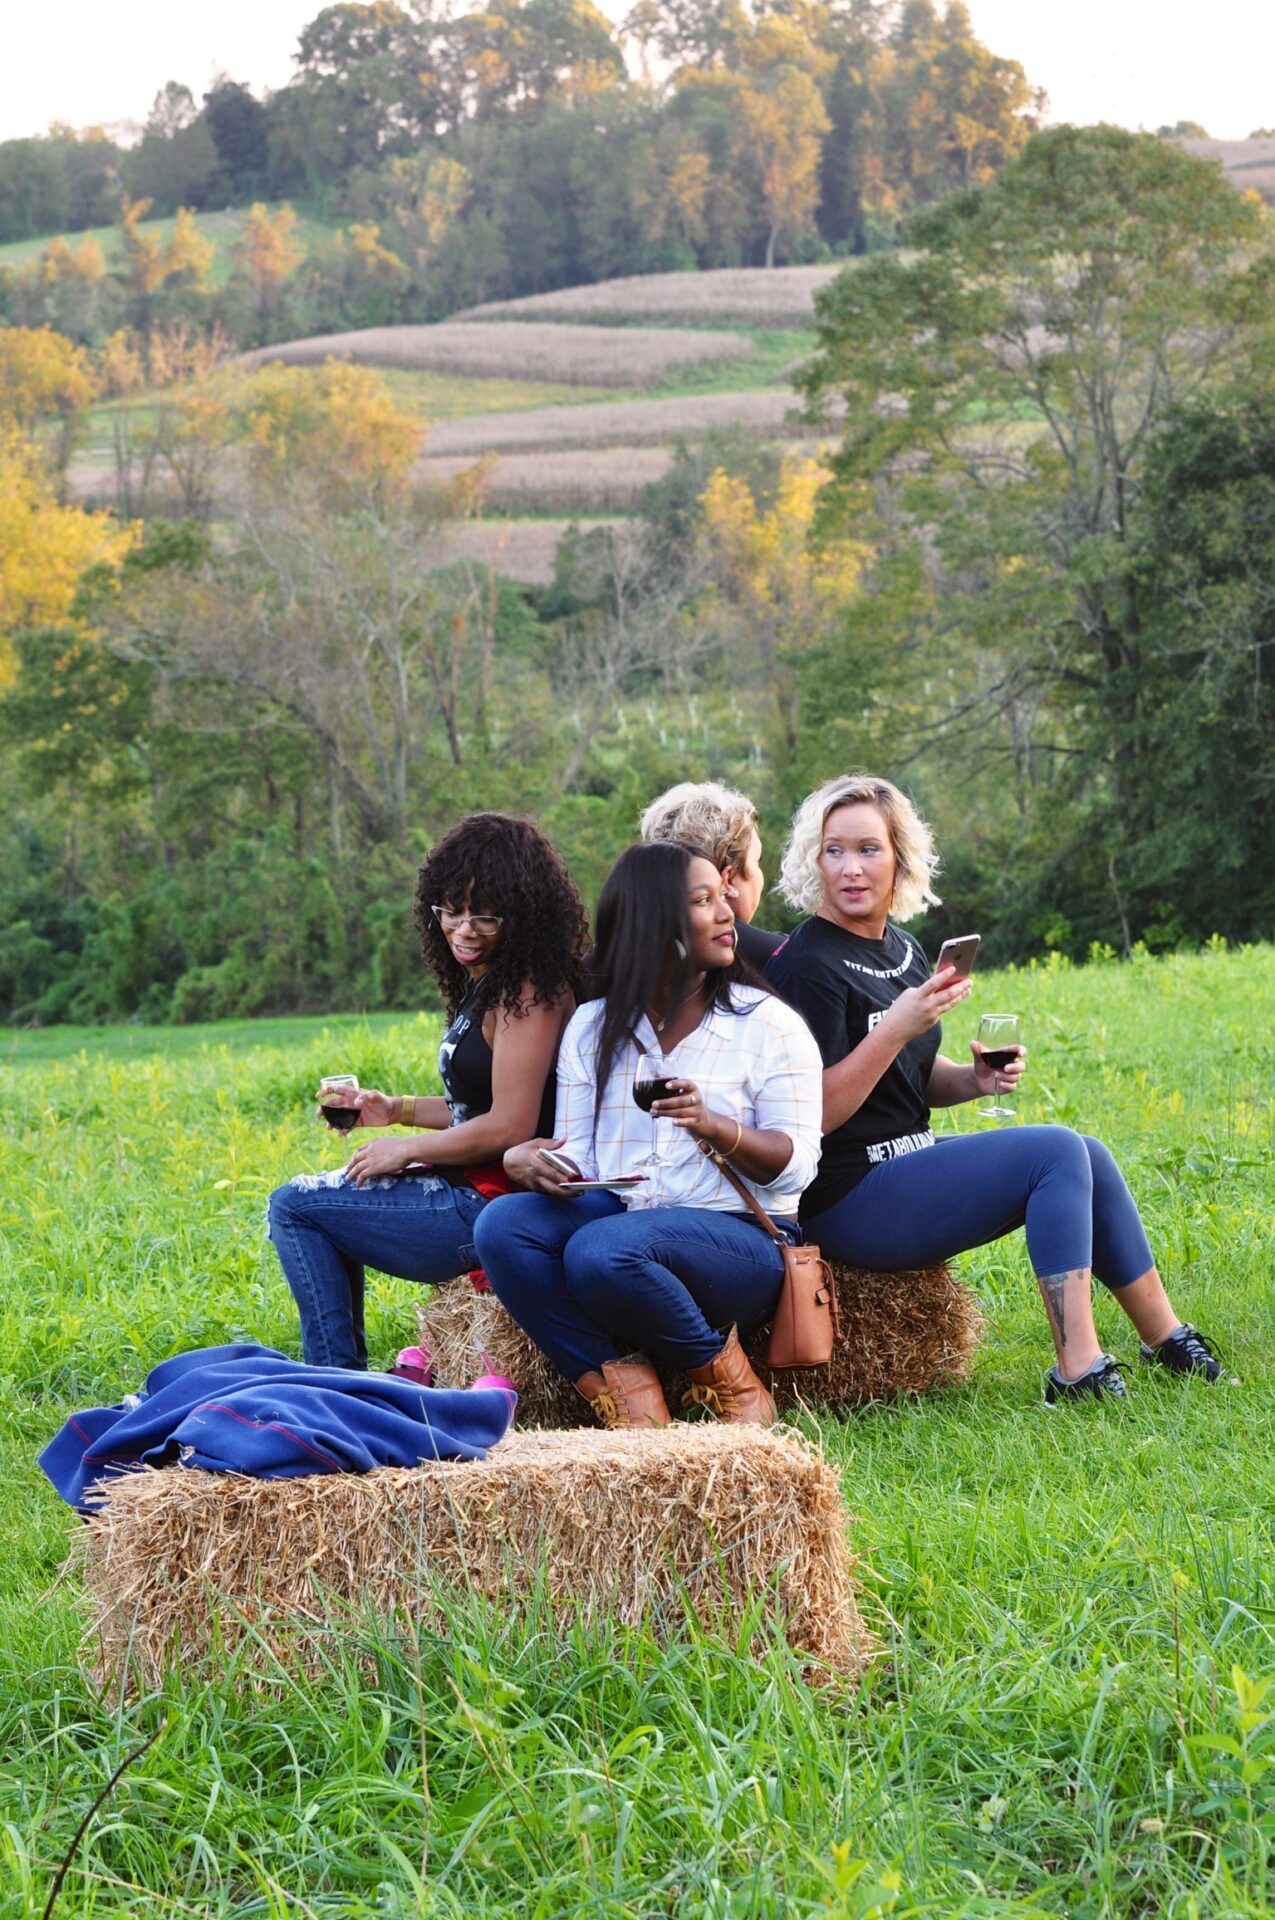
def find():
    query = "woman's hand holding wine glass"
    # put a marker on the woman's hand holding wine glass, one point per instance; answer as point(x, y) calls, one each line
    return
point(685, 1106)
point(999, 1060)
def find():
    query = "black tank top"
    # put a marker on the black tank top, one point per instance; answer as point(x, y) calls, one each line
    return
point(464, 1064)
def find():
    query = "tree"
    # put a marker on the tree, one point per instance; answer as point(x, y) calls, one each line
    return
point(265, 255)
point(1004, 384)
point(773, 599)
point(952, 112)
point(366, 87)
point(785, 122)
point(45, 548)
point(1202, 577)
point(175, 162)
point(239, 128)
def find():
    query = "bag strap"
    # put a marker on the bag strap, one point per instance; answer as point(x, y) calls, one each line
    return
point(719, 1158)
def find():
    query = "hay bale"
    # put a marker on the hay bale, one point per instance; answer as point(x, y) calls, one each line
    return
point(901, 1333)
point(470, 1333)
point(635, 1526)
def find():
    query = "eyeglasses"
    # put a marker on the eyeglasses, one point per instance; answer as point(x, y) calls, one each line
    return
point(483, 924)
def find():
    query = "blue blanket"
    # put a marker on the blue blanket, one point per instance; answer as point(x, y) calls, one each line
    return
point(246, 1409)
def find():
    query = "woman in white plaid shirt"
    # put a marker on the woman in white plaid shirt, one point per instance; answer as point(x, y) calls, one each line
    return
point(613, 1282)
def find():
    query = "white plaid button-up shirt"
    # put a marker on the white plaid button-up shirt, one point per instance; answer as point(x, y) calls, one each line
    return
point(760, 1065)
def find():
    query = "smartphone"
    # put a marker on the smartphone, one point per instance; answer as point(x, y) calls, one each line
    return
point(618, 1183)
point(559, 1162)
point(959, 954)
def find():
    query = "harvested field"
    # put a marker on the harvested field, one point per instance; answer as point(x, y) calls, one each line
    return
point(749, 296)
point(578, 480)
point(1246, 163)
point(573, 356)
point(520, 549)
point(619, 423)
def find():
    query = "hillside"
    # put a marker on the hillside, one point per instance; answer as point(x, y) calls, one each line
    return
point(576, 400)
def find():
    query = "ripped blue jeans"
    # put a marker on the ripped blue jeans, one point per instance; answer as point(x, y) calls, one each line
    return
point(325, 1230)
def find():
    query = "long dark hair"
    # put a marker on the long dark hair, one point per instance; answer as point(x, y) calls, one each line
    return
point(498, 863)
point(643, 943)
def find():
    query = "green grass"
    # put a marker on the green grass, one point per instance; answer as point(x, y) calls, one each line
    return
point(1075, 1712)
point(223, 229)
point(447, 396)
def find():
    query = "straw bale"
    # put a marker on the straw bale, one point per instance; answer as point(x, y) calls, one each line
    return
point(470, 1333)
point(638, 1527)
point(901, 1333)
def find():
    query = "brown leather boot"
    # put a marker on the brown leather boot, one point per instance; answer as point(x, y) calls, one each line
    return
point(627, 1393)
point(728, 1387)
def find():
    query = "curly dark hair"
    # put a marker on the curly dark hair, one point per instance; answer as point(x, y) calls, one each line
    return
point(497, 863)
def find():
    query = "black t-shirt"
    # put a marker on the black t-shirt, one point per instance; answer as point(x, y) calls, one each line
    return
point(754, 944)
point(464, 1065)
point(841, 984)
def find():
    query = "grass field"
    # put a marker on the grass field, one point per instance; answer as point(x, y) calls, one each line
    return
point(1075, 1711)
point(223, 229)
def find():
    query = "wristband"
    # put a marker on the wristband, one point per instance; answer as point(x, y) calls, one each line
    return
point(406, 1109)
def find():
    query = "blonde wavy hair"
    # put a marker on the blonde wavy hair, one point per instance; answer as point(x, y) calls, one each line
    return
point(916, 861)
point(710, 819)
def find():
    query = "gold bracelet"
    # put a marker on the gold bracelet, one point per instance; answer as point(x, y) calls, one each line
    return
point(734, 1145)
point(406, 1119)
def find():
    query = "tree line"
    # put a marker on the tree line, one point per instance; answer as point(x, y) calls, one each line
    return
point(530, 145)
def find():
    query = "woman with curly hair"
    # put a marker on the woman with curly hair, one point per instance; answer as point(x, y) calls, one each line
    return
point(888, 1196)
point(682, 1060)
point(503, 932)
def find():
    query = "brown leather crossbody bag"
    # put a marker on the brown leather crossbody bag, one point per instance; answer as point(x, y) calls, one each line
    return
point(807, 1324)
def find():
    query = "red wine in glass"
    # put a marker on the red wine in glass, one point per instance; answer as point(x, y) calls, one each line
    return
point(341, 1118)
point(998, 1048)
point(647, 1092)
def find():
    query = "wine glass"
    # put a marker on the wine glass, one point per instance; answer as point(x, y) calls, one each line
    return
point(997, 1046)
point(652, 1083)
point(339, 1117)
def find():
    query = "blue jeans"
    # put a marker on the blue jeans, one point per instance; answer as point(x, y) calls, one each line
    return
point(590, 1281)
point(962, 1192)
point(325, 1230)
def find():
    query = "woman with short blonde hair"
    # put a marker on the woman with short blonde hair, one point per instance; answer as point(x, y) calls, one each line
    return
point(720, 824)
point(888, 1195)
point(916, 861)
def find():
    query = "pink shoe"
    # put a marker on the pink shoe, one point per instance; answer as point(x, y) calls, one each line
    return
point(497, 1382)
point(415, 1363)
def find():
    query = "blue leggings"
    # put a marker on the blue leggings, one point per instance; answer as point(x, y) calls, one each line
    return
point(965, 1191)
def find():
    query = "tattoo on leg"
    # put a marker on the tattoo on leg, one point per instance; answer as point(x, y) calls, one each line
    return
point(1054, 1288)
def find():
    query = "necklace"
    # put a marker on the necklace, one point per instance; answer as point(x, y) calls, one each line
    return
point(660, 1024)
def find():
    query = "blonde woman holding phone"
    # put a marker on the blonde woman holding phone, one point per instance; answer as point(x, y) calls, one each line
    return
point(888, 1195)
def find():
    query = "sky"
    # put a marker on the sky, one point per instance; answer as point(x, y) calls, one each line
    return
point(1140, 63)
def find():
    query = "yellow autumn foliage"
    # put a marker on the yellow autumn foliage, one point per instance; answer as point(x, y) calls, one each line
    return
point(338, 424)
point(45, 547)
point(41, 375)
point(763, 561)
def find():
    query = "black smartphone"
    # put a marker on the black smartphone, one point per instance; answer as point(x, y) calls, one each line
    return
point(959, 954)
